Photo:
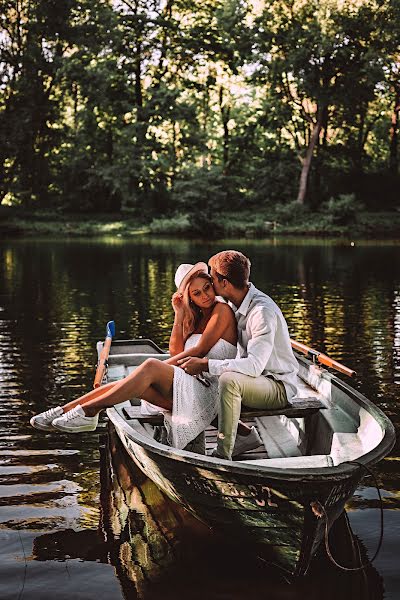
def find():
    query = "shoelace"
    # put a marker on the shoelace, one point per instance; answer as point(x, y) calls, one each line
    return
point(71, 414)
point(49, 413)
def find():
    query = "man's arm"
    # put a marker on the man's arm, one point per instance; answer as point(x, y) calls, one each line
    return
point(217, 324)
point(262, 324)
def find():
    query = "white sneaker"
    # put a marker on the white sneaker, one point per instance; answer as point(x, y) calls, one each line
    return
point(75, 421)
point(244, 443)
point(44, 420)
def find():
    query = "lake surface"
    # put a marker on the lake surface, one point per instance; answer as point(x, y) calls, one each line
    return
point(76, 520)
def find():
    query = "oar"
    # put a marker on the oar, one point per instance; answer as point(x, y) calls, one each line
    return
point(322, 358)
point(102, 364)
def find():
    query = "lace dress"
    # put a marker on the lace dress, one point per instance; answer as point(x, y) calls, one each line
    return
point(194, 404)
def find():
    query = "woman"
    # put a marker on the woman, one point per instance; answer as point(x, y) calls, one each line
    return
point(203, 326)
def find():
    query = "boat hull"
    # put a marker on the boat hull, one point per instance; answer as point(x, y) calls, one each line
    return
point(277, 510)
point(273, 514)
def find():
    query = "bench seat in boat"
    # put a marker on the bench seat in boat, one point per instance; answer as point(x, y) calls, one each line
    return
point(306, 406)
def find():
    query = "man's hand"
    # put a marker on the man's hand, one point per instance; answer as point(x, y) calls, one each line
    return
point(193, 365)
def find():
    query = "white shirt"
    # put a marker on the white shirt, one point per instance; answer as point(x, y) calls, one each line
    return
point(263, 343)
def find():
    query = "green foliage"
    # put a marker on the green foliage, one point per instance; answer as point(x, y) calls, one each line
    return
point(276, 178)
point(178, 224)
point(207, 226)
point(290, 213)
point(342, 210)
point(197, 107)
point(206, 191)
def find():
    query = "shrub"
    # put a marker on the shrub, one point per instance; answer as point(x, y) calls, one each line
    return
point(194, 224)
point(206, 226)
point(342, 210)
point(290, 213)
point(206, 190)
point(176, 224)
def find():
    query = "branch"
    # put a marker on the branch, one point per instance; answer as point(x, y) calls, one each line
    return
point(161, 73)
point(129, 5)
point(296, 102)
point(368, 129)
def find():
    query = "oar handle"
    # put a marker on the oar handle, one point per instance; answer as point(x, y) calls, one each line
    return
point(322, 358)
point(103, 358)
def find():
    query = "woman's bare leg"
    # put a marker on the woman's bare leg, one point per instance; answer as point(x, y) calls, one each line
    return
point(89, 396)
point(150, 395)
point(154, 397)
point(151, 374)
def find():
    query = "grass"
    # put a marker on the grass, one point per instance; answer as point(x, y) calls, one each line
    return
point(245, 223)
point(19, 222)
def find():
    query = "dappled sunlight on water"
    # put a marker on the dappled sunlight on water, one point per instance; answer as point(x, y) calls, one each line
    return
point(61, 532)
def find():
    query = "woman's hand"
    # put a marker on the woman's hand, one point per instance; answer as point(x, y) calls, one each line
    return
point(177, 303)
point(192, 365)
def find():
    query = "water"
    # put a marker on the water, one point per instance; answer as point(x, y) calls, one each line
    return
point(75, 520)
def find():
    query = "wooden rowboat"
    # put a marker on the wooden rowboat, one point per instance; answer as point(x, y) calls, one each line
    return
point(278, 497)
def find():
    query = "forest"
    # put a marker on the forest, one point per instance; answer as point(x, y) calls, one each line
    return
point(165, 107)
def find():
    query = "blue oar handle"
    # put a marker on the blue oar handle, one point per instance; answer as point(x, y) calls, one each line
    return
point(102, 364)
point(110, 329)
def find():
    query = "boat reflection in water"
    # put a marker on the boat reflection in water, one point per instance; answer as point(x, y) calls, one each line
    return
point(159, 550)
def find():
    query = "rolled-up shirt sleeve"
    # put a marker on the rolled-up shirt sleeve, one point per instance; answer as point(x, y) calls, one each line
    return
point(262, 324)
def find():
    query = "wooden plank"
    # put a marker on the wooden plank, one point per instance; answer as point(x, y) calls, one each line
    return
point(277, 439)
point(296, 409)
point(133, 412)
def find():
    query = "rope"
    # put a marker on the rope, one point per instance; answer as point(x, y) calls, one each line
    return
point(328, 551)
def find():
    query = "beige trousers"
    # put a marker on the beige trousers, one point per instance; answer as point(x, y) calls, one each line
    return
point(236, 389)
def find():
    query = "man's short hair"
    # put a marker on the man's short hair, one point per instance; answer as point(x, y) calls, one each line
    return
point(233, 266)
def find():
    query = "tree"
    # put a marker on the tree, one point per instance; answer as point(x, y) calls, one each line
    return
point(33, 44)
point(320, 58)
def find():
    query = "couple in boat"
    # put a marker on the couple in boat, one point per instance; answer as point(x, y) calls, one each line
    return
point(223, 354)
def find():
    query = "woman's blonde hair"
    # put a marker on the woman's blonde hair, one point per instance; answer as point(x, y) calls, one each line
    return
point(192, 313)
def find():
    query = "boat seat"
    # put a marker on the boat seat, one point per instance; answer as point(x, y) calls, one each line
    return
point(133, 412)
point(295, 409)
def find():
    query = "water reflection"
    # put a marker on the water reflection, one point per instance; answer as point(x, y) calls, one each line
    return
point(159, 550)
point(55, 298)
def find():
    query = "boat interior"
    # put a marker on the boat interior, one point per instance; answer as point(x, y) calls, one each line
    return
point(324, 425)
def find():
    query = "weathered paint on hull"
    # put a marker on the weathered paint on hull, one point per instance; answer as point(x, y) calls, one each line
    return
point(276, 519)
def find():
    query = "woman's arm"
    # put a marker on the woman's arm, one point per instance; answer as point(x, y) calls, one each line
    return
point(176, 340)
point(221, 318)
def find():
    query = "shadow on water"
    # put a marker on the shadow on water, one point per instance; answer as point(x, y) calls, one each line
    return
point(158, 550)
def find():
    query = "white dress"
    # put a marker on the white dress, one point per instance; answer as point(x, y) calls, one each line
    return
point(194, 405)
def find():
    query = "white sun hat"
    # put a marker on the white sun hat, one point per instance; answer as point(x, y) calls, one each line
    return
point(184, 271)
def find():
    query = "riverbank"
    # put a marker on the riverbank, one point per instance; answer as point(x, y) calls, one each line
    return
point(252, 224)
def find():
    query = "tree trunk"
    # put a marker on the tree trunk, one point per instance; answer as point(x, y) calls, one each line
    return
point(319, 158)
point(174, 154)
point(306, 162)
point(394, 133)
point(225, 116)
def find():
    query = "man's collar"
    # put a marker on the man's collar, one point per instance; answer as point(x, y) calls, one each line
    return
point(244, 307)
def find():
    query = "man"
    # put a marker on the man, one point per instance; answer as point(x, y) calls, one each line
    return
point(263, 374)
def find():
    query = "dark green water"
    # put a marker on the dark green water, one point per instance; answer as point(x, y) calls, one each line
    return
point(75, 521)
